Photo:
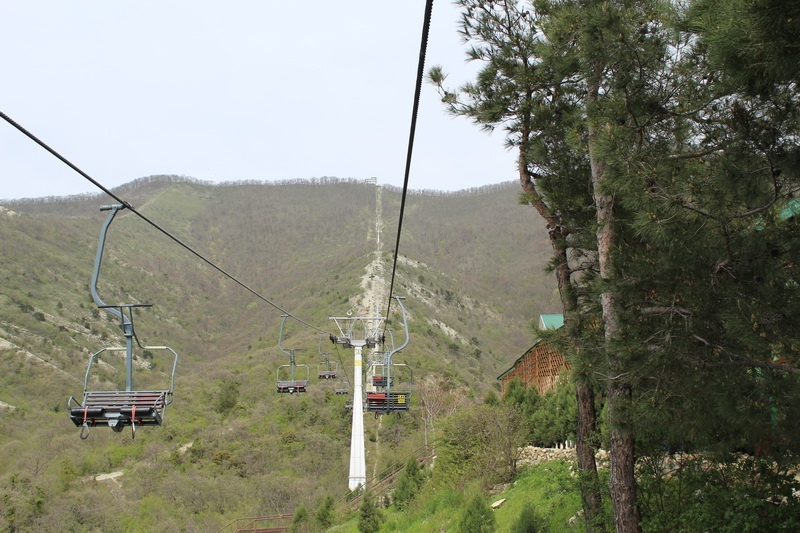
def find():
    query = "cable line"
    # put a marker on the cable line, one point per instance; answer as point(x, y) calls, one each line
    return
point(420, 73)
point(155, 225)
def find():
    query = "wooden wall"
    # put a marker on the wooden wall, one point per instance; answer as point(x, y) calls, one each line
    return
point(540, 366)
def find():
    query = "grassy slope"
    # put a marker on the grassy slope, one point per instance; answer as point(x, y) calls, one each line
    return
point(548, 487)
point(305, 247)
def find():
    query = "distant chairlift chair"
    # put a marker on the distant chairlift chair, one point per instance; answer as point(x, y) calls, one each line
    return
point(287, 375)
point(326, 369)
point(342, 387)
point(119, 408)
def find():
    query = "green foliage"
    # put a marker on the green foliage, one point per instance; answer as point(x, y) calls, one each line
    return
point(408, 484)
point(301, 521)
point(555, 417)
point(480, 443)
point(476, 517)
point(551, 419)
point(686, 493)
point(325, 515)
point(227, 397)
point(490, 398)
point(370, 516)
point(529, 522)
point(754, 42)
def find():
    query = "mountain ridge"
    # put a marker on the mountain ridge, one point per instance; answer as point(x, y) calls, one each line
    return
point(471, 267)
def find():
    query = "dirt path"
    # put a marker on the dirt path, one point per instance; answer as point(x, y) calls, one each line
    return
point(373, 282)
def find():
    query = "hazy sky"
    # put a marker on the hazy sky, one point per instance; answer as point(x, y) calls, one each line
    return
point(233, 90)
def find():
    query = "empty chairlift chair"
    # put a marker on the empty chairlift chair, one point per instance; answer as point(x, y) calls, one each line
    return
point(118, 409)
point(342, 387)
point(290, 378)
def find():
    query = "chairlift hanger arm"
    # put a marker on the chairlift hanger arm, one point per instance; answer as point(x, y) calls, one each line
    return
point(290, 353)
point(405, 327)
point(115, 208)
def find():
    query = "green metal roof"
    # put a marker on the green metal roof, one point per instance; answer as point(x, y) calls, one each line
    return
point(551, 321)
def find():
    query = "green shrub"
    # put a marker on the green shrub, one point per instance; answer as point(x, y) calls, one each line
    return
point(529, 522)
point(477, 517)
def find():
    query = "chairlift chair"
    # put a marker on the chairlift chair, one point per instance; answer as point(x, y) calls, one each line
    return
point(287, 382)
point(118, 409)
point(390, 385)
point(121, 408)
point(326, 369)
point(342, 387)
point(290, 377)
point(393, 395)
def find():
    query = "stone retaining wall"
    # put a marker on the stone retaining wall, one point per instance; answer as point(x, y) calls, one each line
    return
point(533, 455)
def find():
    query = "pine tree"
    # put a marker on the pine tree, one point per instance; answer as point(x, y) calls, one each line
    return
point(527, 86)
point(324, 515)
point(661, 179)
point(370, 516)
point(754, 42)
point(477, 517)
point(529, 522)
point(300, 521)
point(408, 484)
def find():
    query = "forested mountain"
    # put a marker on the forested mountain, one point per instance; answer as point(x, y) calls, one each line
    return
point(472, 269)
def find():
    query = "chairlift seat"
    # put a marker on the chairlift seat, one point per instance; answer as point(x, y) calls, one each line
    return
point(388, 402)
point(292, 386)
point(327, 374)
point(119, 409)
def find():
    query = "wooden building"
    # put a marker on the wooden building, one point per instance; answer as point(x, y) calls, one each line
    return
point(541, 365)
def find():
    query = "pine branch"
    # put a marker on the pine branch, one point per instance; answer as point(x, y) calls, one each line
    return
point(748, 362)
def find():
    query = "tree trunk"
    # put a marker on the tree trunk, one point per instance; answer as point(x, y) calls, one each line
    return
point(587, 465)
point(623, 481)
point(587, 415)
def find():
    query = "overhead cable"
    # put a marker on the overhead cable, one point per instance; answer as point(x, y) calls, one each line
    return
point(420, 74)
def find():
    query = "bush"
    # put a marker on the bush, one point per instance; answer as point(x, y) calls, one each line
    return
point(529, 522)
point(300, 521)
point(324, 516)
point(408, 485)
point(370, 517)
point(742, 494)
point(477, 517)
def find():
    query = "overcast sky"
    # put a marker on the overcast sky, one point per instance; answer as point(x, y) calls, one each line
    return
point(233, 90)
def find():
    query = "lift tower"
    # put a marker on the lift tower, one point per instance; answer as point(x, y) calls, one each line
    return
point(358, 333)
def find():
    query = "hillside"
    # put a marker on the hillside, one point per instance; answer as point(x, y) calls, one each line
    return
point(471, 269)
